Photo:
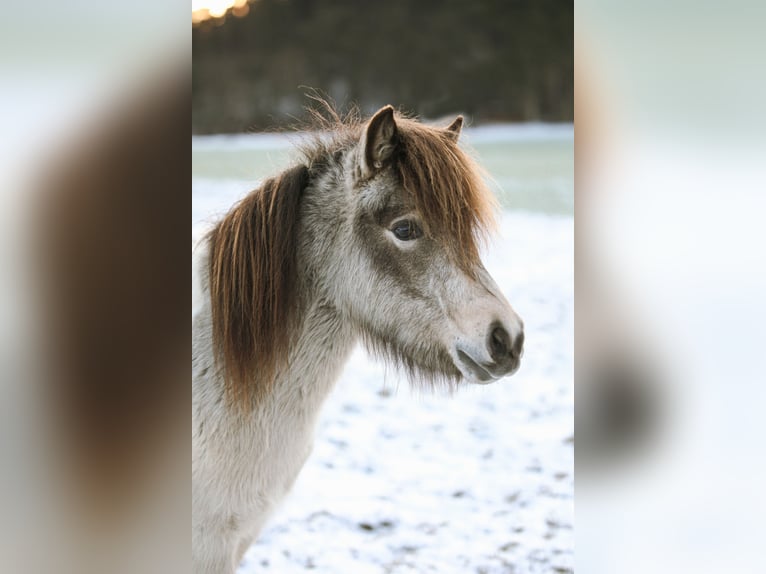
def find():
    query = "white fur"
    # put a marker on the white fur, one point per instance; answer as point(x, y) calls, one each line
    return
point(243, 466)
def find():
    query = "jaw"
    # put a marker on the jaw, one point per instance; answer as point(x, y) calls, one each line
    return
point(430, 363)
point(423, 364)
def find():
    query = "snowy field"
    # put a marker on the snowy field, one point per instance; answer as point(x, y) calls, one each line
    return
point(403, 481)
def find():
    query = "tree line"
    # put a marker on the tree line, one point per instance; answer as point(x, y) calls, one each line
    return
point(493, 60)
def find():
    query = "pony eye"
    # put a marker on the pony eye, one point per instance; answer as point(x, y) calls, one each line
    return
point(406, 230)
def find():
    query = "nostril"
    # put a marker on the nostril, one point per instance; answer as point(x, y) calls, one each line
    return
point(518, 345)
point(499, 343)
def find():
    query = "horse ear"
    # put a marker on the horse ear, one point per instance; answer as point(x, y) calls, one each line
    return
point(379, 140)
point(453, 130)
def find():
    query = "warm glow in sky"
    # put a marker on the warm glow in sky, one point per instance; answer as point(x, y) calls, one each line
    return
point(204, 9)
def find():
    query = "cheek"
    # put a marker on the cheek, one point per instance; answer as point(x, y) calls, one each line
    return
point(403, 270)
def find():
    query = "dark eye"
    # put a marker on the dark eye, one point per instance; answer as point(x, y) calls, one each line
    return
point(406, 230)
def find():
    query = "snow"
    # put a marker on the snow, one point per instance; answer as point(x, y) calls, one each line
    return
point(404, 480)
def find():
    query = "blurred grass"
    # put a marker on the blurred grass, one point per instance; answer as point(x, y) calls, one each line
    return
point(535, 176)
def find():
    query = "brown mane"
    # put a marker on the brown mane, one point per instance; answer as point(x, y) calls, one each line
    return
point(447, 187)
point(252, 250)
point(252, 284)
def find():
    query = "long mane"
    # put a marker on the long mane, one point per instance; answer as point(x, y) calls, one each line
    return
point(252, 284)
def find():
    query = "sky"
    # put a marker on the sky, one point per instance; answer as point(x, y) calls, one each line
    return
point(214, 8)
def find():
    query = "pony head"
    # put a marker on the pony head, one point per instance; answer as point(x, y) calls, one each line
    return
point(404, 262)
point(380, 226)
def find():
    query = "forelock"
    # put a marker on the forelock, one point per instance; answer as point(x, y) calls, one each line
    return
point(447, 187)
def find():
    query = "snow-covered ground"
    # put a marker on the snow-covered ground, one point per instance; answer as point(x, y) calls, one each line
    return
point(403, 481)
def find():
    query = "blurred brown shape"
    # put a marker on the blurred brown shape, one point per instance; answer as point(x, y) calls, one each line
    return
point(618, 391)
point(113, 243)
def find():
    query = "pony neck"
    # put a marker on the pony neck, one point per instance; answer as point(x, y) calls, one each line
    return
point(322, 343)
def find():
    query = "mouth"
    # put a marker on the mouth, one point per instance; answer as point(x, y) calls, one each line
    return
point(479, 372)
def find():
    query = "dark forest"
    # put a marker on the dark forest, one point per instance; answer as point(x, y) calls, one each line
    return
point(492, 60)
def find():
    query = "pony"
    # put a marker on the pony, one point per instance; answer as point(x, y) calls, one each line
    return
point(373, 236)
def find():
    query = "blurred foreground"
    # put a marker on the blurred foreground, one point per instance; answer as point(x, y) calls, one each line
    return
point(93, 327)
point(669, 291)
